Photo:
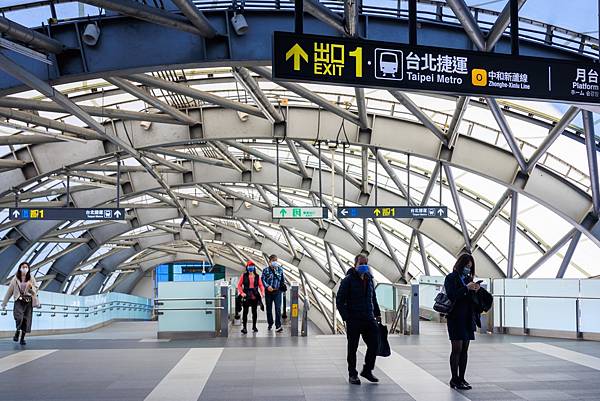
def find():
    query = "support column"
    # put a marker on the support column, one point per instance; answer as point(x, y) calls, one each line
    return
point(512, 235)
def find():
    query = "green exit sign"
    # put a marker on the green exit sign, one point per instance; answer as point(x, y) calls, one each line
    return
point(300, 212)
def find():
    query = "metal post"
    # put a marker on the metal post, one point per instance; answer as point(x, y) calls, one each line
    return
point(414, 309)
point(408, 178)
point(68, 188)
point(525, 329)
point(484, 317)
point(590, 144)
point(514, 27)
point(512, 234)
point(333, 315)
point(578, 333)
point(365, 235)
point(118, 180)
point(412, 22)
point(299, 16)
point(224, 332)
point(294, 311)
point(284, 314)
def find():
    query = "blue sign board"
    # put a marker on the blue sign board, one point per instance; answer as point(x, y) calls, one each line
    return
point(66, 213)
point(392, 212)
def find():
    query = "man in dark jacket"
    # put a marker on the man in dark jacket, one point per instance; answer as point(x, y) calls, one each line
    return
point(357, 303)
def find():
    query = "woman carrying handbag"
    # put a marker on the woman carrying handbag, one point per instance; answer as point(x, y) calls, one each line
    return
point(23, 288)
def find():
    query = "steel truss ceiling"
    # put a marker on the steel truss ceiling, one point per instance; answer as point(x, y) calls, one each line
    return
point(198, 172)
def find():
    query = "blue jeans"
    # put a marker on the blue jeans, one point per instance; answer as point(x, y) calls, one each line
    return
point(270, 298)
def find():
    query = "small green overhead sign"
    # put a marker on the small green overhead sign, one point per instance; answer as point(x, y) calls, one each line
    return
point(300, 212)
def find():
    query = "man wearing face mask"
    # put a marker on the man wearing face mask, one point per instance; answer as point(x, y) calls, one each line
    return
point(273, 280)
point(357, 304)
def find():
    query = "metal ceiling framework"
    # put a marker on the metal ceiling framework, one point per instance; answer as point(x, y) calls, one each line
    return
point(199, 181)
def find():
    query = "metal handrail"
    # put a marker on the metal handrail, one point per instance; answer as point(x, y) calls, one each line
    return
point(543, 297)
point(188, 299)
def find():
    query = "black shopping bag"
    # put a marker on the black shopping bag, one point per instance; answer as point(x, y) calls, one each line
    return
point(384, 345)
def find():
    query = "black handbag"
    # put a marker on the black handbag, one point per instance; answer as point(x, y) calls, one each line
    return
point(384, 345)
point(283, 287)
point(442, 303)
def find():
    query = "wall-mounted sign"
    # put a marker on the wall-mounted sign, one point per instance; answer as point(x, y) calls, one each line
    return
point(66, 213)
point(392, 212)
point(366, 63)
point(300, 212)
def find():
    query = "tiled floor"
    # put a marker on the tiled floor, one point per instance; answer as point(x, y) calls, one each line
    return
point(120, 362)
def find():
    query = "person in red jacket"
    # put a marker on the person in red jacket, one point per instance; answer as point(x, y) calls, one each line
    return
point(250, 287)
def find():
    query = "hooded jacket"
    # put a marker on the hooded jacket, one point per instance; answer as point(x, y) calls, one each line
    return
point(356, 298)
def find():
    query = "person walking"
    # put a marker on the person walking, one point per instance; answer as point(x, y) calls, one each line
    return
point(273, 280)
point(23, 288)
point(357, 304)
point(251, 289)
point(462, 319)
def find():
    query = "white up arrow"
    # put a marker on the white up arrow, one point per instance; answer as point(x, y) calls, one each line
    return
point(16, 214)
point(117, 214)
point(440, 212)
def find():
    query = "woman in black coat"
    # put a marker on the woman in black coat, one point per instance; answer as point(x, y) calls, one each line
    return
point(461, 320)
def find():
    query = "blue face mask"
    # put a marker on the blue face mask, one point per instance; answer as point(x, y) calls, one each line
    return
point(275, 264)
point(250, 269)
point(466, 272)
point(362, 269)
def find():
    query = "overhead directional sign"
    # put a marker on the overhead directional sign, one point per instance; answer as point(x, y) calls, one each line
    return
point(392, 212)
point(366, 63)
point(300, 212)
point(66, 213)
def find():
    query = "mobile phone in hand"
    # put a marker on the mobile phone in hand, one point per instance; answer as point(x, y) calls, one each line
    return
point(479, 281)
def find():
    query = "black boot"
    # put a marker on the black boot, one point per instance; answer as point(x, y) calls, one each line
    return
point(254, 329)
point(23, 342)
point(16, 337)
point(354, 379)
point(244, 331)
point(369, 376)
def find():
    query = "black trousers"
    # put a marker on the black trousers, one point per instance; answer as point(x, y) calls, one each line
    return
point(249, 304)
point(23, 312)
point(369, 331)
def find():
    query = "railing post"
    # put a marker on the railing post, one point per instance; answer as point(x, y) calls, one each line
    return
point(485, 317)
point(414, 309)
point(224, 329)
point(578, 333)
point(294, 309)
point(525, 329)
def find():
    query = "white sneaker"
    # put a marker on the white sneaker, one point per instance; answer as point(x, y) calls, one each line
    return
point(279, 329)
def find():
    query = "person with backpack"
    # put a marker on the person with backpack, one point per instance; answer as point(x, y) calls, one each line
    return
point(274, 282)
point(356, 302)
point(251, 289)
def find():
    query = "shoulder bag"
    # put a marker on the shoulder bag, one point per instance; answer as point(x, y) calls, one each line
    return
point(442, 303)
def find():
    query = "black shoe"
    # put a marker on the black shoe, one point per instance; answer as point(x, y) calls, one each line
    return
point(244, 331)
point(369, 376)
point(255, 330)
point(354, 379)
point(458, 385)
point(466, 383)
point(23, 342)
point(16, 337)
point(279, 329)
point(270, 327)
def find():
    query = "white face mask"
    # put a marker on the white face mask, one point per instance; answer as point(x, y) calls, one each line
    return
point(24, 271)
